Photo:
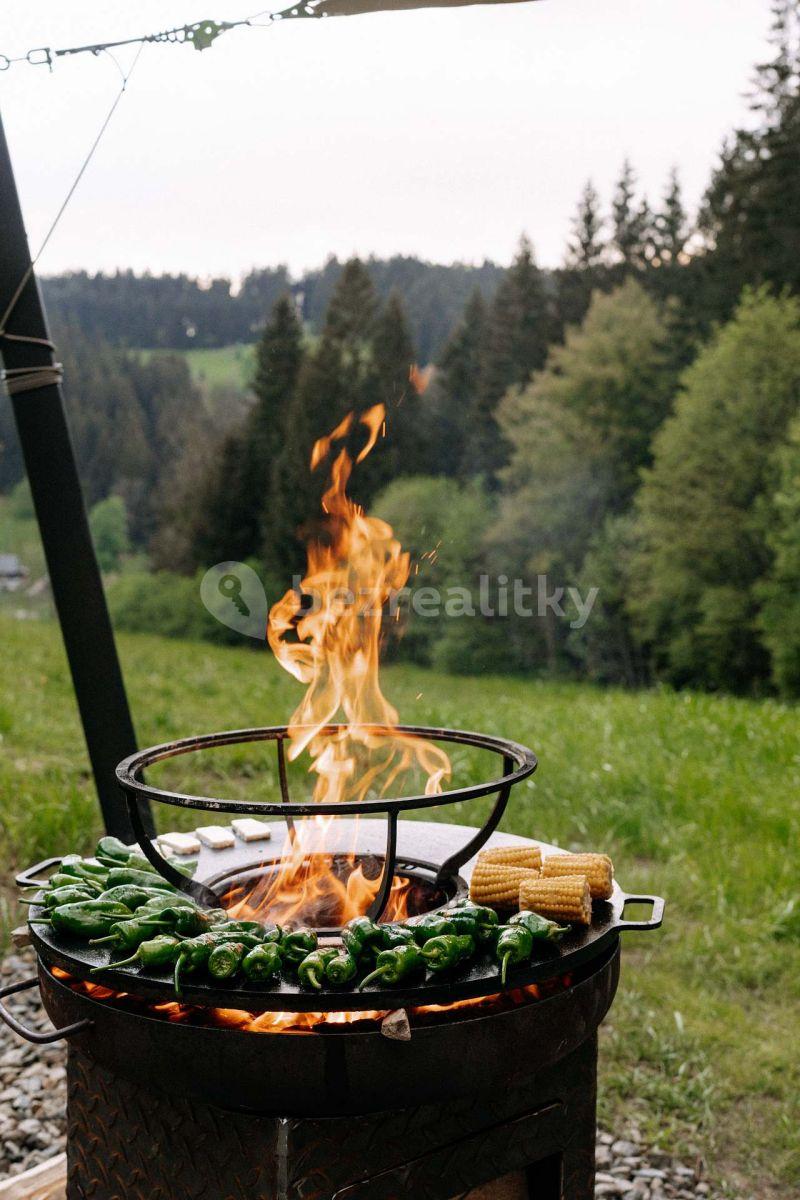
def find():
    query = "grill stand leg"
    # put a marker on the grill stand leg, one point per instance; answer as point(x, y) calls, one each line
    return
point(126, 1142)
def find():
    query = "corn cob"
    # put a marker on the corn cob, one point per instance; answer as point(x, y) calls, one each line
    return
point(515, 856)
point(498, 884)
point(597, 868)
point(566, 898)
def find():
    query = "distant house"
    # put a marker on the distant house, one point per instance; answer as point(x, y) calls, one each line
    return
point(12, 573)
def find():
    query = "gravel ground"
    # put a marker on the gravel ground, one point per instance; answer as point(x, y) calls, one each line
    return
point(32, 1122)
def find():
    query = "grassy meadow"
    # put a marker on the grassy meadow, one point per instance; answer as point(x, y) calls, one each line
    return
point(224, 366)
point(696, 797)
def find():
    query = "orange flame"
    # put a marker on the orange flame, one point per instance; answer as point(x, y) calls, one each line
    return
point(333, 647)
point(304, 1022)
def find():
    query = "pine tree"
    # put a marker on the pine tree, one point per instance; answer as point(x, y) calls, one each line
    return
point(751, 217)
point(278, 360)
point(456, 387)
point(585, 248)
point(235, 494)
point(405, 448)
point(320, 400)
point(671, 224)
point(520, 331)
point(352, 310)
point(628, 221)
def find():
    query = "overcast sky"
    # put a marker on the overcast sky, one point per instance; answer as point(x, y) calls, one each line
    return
point(441, 133)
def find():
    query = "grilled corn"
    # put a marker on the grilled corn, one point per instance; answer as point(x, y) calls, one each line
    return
point(515, 856)
point(565, 898)
point(498, 884)
point(597, 868)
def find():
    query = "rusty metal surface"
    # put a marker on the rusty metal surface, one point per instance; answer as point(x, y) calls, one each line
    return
point(479, 978)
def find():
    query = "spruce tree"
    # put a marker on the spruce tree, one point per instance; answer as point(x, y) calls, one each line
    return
point(353, 308)
point(320, 400)
point(585, 247)
point(232, 504)
point(404, 451)
point(629, 222)
point(671, 226)
point(455, 394)
point(751, 216)
point(521, 328)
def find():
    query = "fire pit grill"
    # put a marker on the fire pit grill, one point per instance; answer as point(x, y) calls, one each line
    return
point(167, 1108)
point(479, 978)
point(518, 763)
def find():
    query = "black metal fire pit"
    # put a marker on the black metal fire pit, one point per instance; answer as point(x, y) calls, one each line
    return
point(166, 1103)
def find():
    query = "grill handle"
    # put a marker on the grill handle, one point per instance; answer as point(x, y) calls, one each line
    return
point(656, 918)
point(28, 877)
point(30, 1035)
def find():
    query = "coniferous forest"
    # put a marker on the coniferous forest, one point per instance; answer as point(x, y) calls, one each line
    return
point(628, 422)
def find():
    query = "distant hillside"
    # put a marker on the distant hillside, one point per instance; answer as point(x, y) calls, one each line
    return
point(178, 312)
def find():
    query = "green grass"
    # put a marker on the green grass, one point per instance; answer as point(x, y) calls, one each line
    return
point(230, 366)
point(696, 797)
point(222, 368)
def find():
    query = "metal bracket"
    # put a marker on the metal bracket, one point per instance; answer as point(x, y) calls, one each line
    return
point(375, 909)
point(452, 865)
point(190, 887)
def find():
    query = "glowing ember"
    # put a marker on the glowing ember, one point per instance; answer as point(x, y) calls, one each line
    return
point(328, 635)
point(305, 1022)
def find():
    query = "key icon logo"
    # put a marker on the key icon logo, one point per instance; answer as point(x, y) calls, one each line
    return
point(234, 595)
point(230, 586)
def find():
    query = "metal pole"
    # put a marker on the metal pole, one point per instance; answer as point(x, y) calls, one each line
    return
point(58, 500)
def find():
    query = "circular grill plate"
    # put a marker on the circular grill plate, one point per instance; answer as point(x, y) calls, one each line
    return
point(428, 840)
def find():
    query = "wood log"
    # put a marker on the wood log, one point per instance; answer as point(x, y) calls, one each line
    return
point(47, 1181)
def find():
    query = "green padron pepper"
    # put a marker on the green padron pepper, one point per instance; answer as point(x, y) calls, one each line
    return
point(162, 900)
point(514, 946)
point(486, 919)
point(261, 963)
point(89, 919)
point(61, 879)
point(396, 964)
point(113, 850)
point(430, 926)
point(340, 969)
point(311, 971)
point(126, 935)
point(254, 927)
point(151, 954)
point(226, 959)
point(148, 879)
point(82, 868)
point(74, 893)
point(396, 935)
point(185, 919)
point(449, 950)
point(129, 895)
point(297, 944)
point(194, 954)
point(362, 936)
point(540, 928)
